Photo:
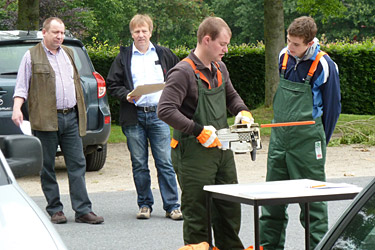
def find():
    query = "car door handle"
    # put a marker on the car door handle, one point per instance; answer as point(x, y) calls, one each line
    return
point(2, 92)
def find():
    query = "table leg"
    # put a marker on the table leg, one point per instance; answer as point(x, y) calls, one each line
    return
point(256, 227)
point(307, 226)
point(208, 207)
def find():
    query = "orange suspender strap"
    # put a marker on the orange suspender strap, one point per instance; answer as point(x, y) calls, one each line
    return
point(219, 76)
point(314, 65)
point(283, 67)
point(203, 77)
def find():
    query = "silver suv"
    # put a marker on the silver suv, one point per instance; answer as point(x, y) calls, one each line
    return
point(13, 45)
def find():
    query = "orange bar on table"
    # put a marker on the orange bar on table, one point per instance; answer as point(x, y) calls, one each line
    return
point(286, 124)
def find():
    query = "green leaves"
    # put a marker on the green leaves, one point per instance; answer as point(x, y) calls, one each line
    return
point(327, 8)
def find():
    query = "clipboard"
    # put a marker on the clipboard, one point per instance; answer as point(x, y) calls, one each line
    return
point(147, 89)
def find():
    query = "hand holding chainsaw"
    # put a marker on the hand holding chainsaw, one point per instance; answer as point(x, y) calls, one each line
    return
point(208, 137)
point(244, 117)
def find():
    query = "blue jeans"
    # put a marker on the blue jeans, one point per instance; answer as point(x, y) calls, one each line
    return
point(71, 145)
point(154, 131)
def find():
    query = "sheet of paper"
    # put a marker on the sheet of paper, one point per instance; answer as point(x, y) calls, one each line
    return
point(25, 127)
point(147, 89)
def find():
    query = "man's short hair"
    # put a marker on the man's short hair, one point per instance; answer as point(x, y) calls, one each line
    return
point(212, 26)
point(139, 20)
point(47, 22)
point(304, 27)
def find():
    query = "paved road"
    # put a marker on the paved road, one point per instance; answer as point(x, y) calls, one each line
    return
point(122, 231)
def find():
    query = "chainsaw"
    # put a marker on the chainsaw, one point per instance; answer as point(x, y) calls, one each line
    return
point(242, 138)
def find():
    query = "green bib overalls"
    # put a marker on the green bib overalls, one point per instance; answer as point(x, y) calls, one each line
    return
point(297, 152)
point(197, 166)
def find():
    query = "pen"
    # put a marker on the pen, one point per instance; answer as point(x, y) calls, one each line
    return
point(134, 102)
point(317, 186)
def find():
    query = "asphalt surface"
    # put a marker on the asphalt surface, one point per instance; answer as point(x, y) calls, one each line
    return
point(122, 231)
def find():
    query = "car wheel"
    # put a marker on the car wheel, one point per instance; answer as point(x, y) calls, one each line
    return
point(95, 161)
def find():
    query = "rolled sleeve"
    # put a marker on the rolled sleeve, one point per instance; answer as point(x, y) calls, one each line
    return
point(23, 77)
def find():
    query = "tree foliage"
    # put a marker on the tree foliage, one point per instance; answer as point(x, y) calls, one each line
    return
point(110, 20)
point(8, 14)
point(357, 22)
point(244, 17)
point(351, 20)
point(175, 21)
point(28, 16)
point(324, 7)
point(76, 17)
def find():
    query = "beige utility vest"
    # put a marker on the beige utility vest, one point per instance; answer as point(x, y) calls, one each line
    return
point(42, 92)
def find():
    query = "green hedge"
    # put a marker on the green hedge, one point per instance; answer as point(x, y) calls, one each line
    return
point(246, 66)
point(357, 75)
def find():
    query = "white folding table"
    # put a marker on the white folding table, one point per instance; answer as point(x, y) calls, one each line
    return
point(277, 193)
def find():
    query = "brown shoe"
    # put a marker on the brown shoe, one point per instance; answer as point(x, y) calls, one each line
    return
point(90, 218)
point(58, 218)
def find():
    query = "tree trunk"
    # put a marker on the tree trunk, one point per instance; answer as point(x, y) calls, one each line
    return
point(28, 15)
point(274, 41)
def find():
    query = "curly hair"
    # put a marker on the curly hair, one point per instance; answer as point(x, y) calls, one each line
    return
point(304, 27)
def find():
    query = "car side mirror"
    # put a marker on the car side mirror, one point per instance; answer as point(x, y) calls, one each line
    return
point(23, 154)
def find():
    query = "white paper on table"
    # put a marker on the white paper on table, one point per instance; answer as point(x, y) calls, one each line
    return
point(25, 127)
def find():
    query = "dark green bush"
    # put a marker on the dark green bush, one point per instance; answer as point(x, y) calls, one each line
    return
point(246, 66)
point(357, 75)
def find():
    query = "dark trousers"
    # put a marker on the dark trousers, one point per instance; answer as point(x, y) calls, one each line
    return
point(197, 166)
point(70, 142)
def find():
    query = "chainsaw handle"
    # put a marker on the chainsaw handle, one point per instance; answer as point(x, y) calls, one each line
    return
point(286, 124)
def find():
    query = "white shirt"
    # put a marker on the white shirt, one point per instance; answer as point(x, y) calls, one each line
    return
point(146, 69)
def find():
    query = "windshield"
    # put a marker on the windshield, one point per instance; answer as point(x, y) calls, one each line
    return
point(360, 233)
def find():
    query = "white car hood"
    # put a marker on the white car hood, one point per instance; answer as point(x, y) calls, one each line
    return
point(22, 224)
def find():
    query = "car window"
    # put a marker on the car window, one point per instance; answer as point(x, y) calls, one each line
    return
point(12, 55)
point(81, 60)
point(360, 232)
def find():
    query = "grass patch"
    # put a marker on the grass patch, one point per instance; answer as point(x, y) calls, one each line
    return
point(350, 129)
point(354, 129)
point(116, 135)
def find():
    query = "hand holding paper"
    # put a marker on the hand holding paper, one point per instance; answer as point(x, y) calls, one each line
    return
point(147, 89)
point(25, 127)
point(133, 99)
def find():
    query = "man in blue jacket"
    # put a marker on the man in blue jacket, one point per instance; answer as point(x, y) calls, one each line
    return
point(309, 89)
point(144, 63)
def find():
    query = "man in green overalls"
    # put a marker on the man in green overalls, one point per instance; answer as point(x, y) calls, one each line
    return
point(194, 102)
point(309, 89)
